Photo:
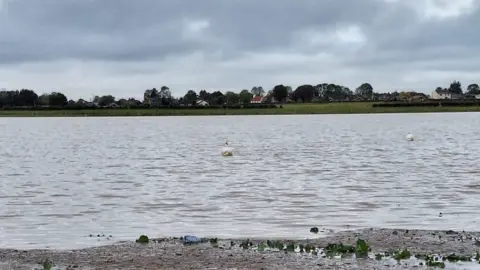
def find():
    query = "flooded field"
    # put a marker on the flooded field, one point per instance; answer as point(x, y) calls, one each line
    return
point(77, 182)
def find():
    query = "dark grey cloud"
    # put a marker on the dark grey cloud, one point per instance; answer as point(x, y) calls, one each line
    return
point(219, 42)
point(124, 29)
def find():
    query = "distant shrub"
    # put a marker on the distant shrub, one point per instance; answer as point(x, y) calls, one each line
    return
point(449, 103)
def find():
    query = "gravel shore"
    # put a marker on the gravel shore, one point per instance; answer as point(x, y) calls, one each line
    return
point(171, 253)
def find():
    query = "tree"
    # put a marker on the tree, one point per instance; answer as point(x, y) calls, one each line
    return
point(218, 98)
point(8, 98)
point(455, 88)
point(280, 92)
point(190, 98)
point(245, 96)
point(123, 103)
point(305, 93)
point(320, 90)
point(204, 95)
point(292, 96)
point(365, 89)
point(106, 100)
point(258, 91)
point(232, 98)
point(149, 94)
point(44, 100)
point(26, 97)
point(132, 102)
point(58, 99)
point(473, 89)
point(165, 95)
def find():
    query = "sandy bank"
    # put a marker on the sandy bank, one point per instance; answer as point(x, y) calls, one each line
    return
point(229, 254)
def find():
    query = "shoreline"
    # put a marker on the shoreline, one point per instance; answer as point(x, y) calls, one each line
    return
point(287, 109)
point(172, 253)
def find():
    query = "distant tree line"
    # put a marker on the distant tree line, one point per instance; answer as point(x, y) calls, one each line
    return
point(279, 94)
point(306, 93)
point(456, 88)
point(26, 97)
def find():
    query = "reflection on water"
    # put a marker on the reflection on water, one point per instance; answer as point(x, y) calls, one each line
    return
point(66, 178)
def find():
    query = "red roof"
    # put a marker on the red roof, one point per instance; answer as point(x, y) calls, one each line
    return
point(256, 99)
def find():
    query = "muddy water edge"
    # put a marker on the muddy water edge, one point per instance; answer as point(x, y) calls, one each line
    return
point(386, 249)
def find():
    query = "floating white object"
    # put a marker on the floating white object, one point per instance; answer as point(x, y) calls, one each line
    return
point(409, 137)
point(227, 151)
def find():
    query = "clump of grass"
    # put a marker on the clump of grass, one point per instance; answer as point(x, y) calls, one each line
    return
point(432, 261)
point(275, 244)
point(213, 242)
point(143, 239)
point(314, 230)
point(47, 264)
point(361, 249)
point(456, 258)
point(246, 244)
point(402, 255)
point(334, 249)
point(291, 247)
point(261, 247)
point(309, 248)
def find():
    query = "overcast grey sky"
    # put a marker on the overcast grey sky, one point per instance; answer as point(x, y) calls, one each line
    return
point(122, 47)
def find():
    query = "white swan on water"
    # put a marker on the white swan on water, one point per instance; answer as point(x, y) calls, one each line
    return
point(227, 151)
point(409, 137)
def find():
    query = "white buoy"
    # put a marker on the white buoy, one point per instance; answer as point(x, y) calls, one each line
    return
point(409, 137)
point(227, 151)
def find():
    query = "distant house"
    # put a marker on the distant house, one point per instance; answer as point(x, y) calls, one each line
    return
point(382, 96)
point(113, 105)
point(418, 98)
point(400, 98)
point(257, 99)
point(349, 98)
point(359, 98)
point(444, 94)
point(202, 103)
point(87, 104)
point(151, 97)
point(93, 105)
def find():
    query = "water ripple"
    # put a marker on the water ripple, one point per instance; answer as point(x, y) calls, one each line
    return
point(164, 176)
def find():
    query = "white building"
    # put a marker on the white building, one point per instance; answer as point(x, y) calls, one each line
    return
point(444, 94)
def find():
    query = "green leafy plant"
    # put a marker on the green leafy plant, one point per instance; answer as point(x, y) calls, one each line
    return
point(47, 264)
point(361, 249)
point(333, 249)
point(309, 248)
point(456, 258)
point(291, 247)
point(143, 239)
point(434, 262)
point(402, 255)
point(261, 247)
